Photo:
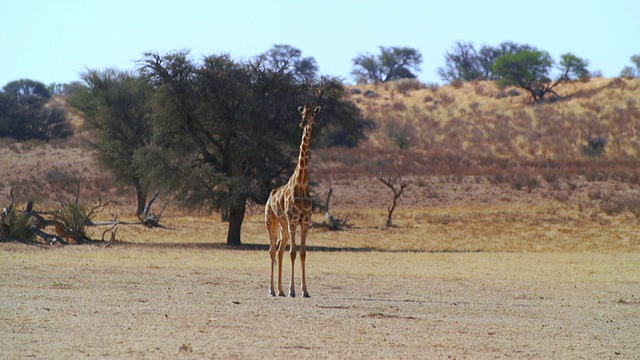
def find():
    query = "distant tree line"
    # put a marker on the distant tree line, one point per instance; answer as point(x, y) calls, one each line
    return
point(25, 112)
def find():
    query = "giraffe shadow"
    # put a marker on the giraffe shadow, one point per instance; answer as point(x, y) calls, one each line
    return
point(265, 247)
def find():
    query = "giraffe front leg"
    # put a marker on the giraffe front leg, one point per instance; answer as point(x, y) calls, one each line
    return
point(292, 254)
point(284, 235)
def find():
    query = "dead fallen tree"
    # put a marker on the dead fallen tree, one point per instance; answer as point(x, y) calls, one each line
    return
point(333, 223)
point(67, 224)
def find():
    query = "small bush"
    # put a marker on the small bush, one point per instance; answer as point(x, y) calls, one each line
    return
point(508, 93)
point(617, 205)
point(432, 86)
point(371, 94)
point(457, 83)
point(594, 147)
point(399, 106)
point(14, 226)
point(405, 85)
point(521, 180)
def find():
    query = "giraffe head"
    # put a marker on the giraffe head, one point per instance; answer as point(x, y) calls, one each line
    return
point(308, 113)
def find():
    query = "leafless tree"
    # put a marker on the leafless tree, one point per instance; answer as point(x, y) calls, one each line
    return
point(397, 185)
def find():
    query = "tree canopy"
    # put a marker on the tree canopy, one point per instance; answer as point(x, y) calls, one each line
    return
point(117, 105)
point(392, 63)
point(289, 60)
point(530, 70)
point(226, 132)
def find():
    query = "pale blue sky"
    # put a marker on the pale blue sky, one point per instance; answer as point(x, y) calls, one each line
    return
point(55, 41)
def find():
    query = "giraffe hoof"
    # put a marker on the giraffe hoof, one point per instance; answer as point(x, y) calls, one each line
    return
point(306, 295)
point(281, 293)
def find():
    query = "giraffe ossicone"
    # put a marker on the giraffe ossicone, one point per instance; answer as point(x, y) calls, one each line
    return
point(289, 207)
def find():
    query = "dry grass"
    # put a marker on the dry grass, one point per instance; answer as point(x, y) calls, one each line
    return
point(476, 120)
point(168, 296)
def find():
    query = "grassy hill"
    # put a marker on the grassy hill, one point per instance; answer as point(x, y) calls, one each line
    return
point(477, 120)
point(474, 128)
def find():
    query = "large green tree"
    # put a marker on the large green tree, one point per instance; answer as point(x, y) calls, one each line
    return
point(392, 63)
point(117, 105)
point(25, 112)
point(226, 132)
point(530, 70)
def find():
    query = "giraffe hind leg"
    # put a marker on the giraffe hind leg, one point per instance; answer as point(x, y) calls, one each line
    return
point(292, 254)
point(282, 244)
point(273, 246)
point(303, 258)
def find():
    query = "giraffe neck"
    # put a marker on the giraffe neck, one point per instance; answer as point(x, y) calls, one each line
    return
point(301, 173)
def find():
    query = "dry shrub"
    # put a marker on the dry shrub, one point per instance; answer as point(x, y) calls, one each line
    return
point(403, 86)
point(15, 226)
point(618, 204)
point(398, 106)
point(447, 99)
point(457, 83)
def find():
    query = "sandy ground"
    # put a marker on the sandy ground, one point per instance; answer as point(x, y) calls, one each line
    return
point(199, 301)
point(472, 271)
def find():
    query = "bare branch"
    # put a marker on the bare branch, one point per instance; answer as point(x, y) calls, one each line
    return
point(147, 218)
point(8, 209)
point(147, 209)
point(112, 239)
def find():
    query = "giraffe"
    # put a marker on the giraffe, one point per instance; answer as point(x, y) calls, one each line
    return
point(288, 207)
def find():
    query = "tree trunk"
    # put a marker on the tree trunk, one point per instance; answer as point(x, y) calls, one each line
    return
point(236, 216)
point(141, 196)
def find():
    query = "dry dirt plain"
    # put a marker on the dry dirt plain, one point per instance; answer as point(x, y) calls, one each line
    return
point(516, 278)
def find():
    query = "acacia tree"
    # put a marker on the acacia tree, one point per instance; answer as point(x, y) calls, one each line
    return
point(117, 105)
point(226, 132)
point(289, 60)
point(392, 63)
point(530, 70)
